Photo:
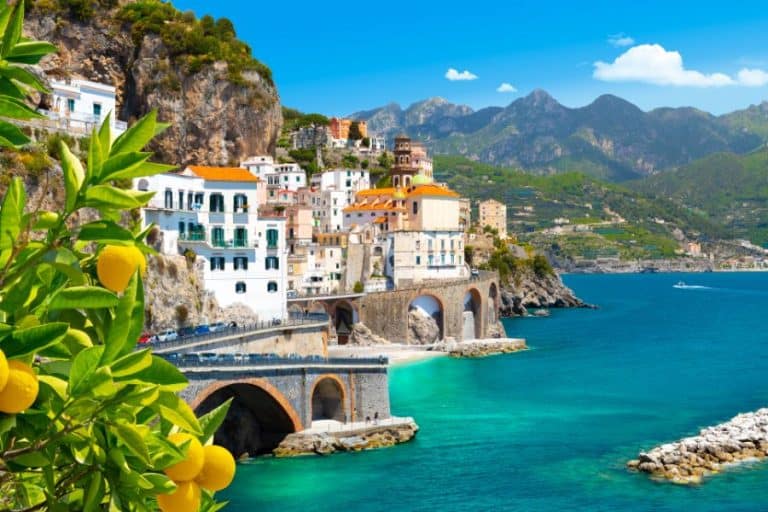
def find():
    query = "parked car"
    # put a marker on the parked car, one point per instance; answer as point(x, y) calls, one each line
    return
point(202, 329)
point(167, 335)
point(147, 338)
point(217, 326)
point(475, 272)
point(186, 331)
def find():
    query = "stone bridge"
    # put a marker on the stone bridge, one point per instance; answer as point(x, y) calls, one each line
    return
point(274, 397)
point(463, 309)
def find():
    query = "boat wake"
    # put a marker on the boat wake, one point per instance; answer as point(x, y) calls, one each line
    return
point(682, 286)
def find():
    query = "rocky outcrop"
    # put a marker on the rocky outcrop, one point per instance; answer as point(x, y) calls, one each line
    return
point(744, 437)
point(214, 120)
point(370, 437)
point(175, 297)
point(536, 291)
point(483, 348)
point(422, 329)
point(361, 335)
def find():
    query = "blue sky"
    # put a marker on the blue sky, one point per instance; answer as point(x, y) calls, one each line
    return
point(336, 58)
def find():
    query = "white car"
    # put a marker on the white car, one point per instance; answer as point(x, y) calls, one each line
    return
point(218, 326)
point(167, 335)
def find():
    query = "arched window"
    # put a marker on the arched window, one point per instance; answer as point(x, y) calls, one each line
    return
point(241, 262)
point(415, 207)
point(272, 286)
point(239, 287)
point(143, 185)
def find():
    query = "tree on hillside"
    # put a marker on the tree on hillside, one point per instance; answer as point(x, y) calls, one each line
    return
point(354, 131)
point(386, 159)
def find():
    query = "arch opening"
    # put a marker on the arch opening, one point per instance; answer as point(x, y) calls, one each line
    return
point(425, 320)
point(328, 400)
point(344, 317)
point(472, 317)
point(257, 421)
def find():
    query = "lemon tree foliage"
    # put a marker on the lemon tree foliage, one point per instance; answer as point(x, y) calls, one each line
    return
point(85, 418)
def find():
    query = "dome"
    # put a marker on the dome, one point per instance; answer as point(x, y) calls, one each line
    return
point(399, 194)
point(420, 179)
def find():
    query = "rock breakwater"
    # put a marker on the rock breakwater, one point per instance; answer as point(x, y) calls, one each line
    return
point(744, 437)
point(346, 438)
point(483, 348)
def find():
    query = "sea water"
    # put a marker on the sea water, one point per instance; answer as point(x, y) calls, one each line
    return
point(551, 428)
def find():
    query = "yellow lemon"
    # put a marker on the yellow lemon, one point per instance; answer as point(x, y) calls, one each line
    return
point(3, 370)
point(218, 468)
point(186, 498)
point(141, 260)
point(190, 467)
point(116, 265)
point(20, 392)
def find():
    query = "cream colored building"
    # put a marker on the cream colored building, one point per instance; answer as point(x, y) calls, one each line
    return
point(494, 214)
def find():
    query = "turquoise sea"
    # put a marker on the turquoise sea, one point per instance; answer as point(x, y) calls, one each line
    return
point(550, 429)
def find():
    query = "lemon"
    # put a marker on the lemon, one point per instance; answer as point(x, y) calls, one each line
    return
point(20, 391)
point(115, 266)
point(190, 467)
point(3, 370)
point(186, 498)
point(218, 469)
point(141, 260)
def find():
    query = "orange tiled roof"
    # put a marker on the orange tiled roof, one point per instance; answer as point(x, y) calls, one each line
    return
point(377, 191)
point(361, 207)
point(380, 220)
point(223, 173)
point(432, 190)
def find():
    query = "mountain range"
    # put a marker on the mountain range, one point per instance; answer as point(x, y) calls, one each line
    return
point(610, 138)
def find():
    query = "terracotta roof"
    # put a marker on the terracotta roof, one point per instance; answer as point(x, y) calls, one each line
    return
point(377, 191)
point(380, 220)
point(432, 190)
point(223, 173)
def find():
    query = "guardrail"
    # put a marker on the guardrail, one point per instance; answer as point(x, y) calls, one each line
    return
point(293, 320)
point(209, 359)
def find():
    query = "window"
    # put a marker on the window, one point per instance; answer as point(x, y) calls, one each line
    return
point(430, 244)
point(181, 228)
point(442, 245)
point(239, 287)
point(349, 183)
point(272, 236)
point(241, 263)
point(452, 244)
point(217, 263)
point(181, 199)
point(97, 110)
point(418, 245)
point(190, 196)
point(241, 203)
point(415, 208)
point(272, 286)
point(217, 203)
point(272, 263)
point(168, 199)
point(418, 260)
point(70, 105)
point(199, 200)
point(431, 260)
point(241, 237)
point(217, 237)
point(452, 259)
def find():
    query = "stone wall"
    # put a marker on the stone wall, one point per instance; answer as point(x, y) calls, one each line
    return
point(386, 313)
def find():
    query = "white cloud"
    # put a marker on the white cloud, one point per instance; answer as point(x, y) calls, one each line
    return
point(651, 63)
point(454, 75)
point(620, 40)
point(753, 77)
point(506, 87)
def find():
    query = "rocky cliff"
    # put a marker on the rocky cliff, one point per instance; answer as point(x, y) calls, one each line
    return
point(531, 290)
point(218, 112)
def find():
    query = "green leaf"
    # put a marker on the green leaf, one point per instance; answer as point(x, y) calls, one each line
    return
point(105, 134)
point(23, 76)
point(12, 32)
point(74, 175)
point(12, 213)
point(137, 136)
point(133, 439)
point(120, 327)
point(16, 109)
point(145, 169)
point(5, 16)
point(83, 368)
point(131, 363)
point(65, 261)
point(122, 164)
point(32, 339)
point(95, 157)
point(85, 297)
point(178, 412)
point(162, 373)
point(211, 421)
point(94, 493)
point(161, 484)
point(30, 52)
point(107, 196)
point(104, 231)
point(12, 135)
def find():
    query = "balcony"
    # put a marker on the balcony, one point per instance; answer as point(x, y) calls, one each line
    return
point(192, 237)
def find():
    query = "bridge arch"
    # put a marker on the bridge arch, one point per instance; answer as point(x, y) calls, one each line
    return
point(472, 317)
point(259, 418)
point(328, 398)
point(425, 305)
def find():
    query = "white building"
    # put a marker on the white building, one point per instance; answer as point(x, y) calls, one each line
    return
point(77, 106)
point(214, 212)
point(278, 177)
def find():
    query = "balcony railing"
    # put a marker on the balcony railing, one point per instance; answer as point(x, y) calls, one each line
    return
point(192, 237)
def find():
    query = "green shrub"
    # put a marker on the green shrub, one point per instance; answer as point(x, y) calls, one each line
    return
point(358, 288)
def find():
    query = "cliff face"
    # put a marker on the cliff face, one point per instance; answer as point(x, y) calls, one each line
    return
point(214, 120)
point(530, 290)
